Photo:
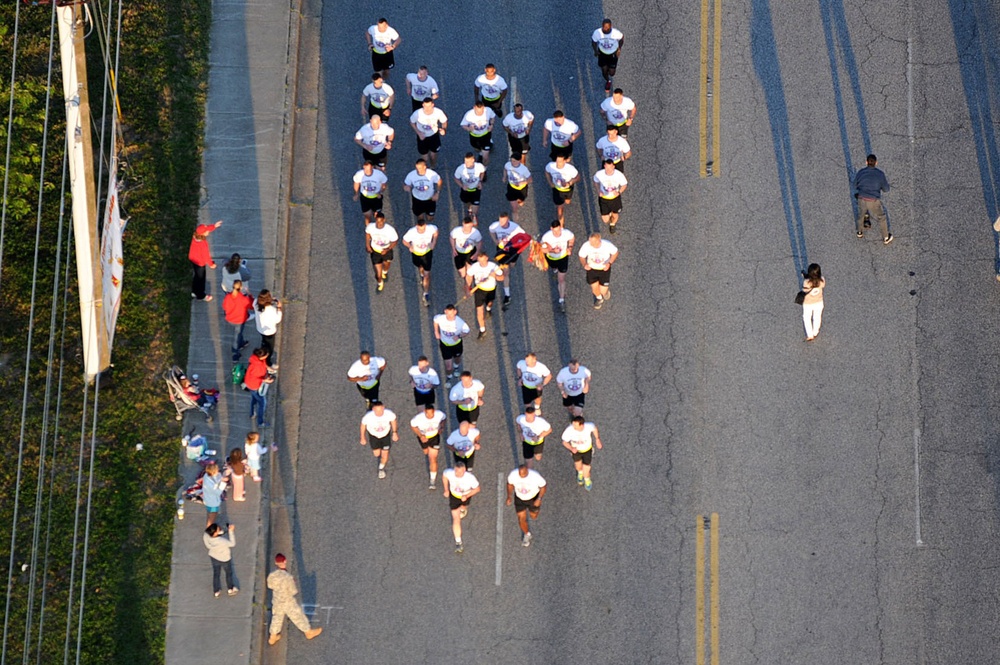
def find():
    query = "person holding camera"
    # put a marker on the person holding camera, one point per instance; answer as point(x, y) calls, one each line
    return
point(220, 547)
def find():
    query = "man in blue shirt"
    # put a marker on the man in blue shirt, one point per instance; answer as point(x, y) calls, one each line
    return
point(869, 183)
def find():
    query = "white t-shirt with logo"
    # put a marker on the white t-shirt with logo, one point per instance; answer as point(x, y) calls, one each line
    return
point(471, 177)
point(466, 242)
point(607, 43)
point(378, 97)
point(484, 277)
point(532, 432)
point(517, 176)
point(381, 238)
point(598, 258)
point(558, 247)
point(478, 125)
point(424, 381)
point(491, 89)
point(501, 234)
point(374, 140)
point(429, 427)
point(451, 331)
point(581, 440)
point(610, 186)
point(617, 114)
point(422, 89)
point(370, 186)
point(532, 377)
point(613, 150)
point(459, 487)
point(519, 126)
point(463, 444)
point(381, 40)
point(359, 369)
point(379, 426)
point(526, 488)
point(420, 243)
point(422, 187)
point(428, 125)
point(561, 177)
point(572, 383)
point(561, 134)
point(460, 392)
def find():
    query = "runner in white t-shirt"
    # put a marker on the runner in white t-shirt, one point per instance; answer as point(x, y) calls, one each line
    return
point(463, 443)
point(502, 231)
point(365, 373)
point(380, 239)
point(518, 124)
point(490, 88)
point(449, 329)
point(574, 383)
point(533, 429)
point(429, 124)
point(611, 183)
point(382, 42)
point(467, 396)
point(424, 379)
point(419, 86)
point(557, 244)
point(377, 98)
point(375, 138)
point(518, 177)
point(466, 242)
point(619, 111)
point(613, 147)
point(382, 429)
point(596, 256)
point(607, 42)
point(534, 376)
point(478, 121)
point(420, 240)
point(427, 425)
point(563, 132)
point(481, 278)
point(424, 186)
point(369, 183)
point(577, 439)
point(470, 176)
point(459, 486)
point(561, 176)
point(526, 487)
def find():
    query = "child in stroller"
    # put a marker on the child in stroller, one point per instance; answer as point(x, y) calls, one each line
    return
point(186, 394)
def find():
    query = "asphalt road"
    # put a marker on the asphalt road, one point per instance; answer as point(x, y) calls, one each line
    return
point(707, 397)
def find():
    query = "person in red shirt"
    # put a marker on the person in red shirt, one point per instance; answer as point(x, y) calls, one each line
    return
point(237, 306)
point(200, 257)
point(256, 380)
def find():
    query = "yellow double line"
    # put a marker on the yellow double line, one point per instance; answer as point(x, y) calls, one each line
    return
point(710, 167)
point(699, 588)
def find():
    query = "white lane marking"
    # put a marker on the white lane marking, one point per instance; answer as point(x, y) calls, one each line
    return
point(500, 494)
point(916, 481)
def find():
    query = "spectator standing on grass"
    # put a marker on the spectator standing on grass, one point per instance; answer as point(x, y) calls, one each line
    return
point(220, 547)
point(237, 307)
point(235, 269)
point(200, 256)
point(268, 316)
point(283, 603)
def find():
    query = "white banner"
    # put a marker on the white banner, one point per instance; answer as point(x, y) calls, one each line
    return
point(112, 264)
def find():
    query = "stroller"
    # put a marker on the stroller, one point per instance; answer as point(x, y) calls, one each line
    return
point(182, 400)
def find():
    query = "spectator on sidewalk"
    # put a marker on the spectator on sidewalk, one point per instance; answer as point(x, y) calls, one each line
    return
point(235, 269)
point(237, 306)
point(235, 471)
point(200, 257)
point(257, 380)
point(254, 451)
point(212, 487)
point(220, 552)
point(268, 312)
point(283, 602)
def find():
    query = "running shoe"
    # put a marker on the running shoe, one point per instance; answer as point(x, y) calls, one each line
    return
point(607, 296)
point(861, 234)
point(613, 228)
point(598, 302)
point(579, 477)
point(482, 334)
point(381, 285)
point(588, 484)
point(887, 239)
point(562, 305)
point(459, 548)
point(381, 474)
point(506, 303)
point(427, 300)
point(526, 539)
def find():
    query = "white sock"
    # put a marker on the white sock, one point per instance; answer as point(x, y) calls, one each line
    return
point(434, 474)
point(381, 466)
point(506, 291)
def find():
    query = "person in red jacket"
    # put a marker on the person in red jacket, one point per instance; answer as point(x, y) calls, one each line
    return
point(256, 380)
point(201, 257)
point(237, 305)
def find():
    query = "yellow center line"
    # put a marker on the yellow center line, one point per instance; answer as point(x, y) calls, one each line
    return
point(714, 590)
point(703, 93)
point(716, 88)
point(699, 591)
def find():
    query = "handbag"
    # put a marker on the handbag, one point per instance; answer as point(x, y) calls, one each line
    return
point(800, 297)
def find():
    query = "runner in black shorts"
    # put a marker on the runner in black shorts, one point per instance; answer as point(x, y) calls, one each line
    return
point(459, 486)
point(609, 206)
point(463, 443)
point(423, 209)
point(602, 277)
point(427, 426)
point(534, 429)
point(382, 41)
point(431, 144)
point(527, 487)
point(382, 429)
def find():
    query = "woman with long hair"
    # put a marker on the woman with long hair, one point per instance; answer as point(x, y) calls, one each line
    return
point(813, 284)
point(235, 269)
point(268, 310)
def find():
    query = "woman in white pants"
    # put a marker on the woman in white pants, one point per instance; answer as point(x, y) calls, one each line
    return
point(812, 307)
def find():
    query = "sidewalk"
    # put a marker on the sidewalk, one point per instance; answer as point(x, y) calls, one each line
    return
point(241, 185)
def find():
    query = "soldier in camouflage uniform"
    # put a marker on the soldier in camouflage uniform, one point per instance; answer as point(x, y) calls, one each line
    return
point(283, 603)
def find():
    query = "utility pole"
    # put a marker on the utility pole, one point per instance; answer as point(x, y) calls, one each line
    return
point(81, 168)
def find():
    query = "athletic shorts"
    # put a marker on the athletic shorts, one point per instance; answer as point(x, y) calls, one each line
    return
point(584, 457)
point(376, 158)
point(469, 461)
point(379, 442)
point(382, 113)
point(462, 260)
point(454, 503)
point(382, 61)
point(429, 144)
point(520, 505)
point(463, 416)
point(416, 104)
point(609, 206)
point(602, 277)
point(529, 395)
point(562, 265)
point(470, 197)
point(428, 207)
point(560, 197)
point(370, 204)
point(606, 60)
point(423, 261)
point(574, 400)
point(368, 393)
point(495, 104)
point(622, 129)
point(516, 194)
point(450, 352)
point(557, 150)
point(620, 165)
point(519, 145)
point(423, 399)
point(381, 257)
point(432, 442)
point(484, 298)
point(529, 450)
point(483, 143)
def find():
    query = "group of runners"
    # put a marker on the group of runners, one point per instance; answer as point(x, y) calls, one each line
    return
point(481, 274)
